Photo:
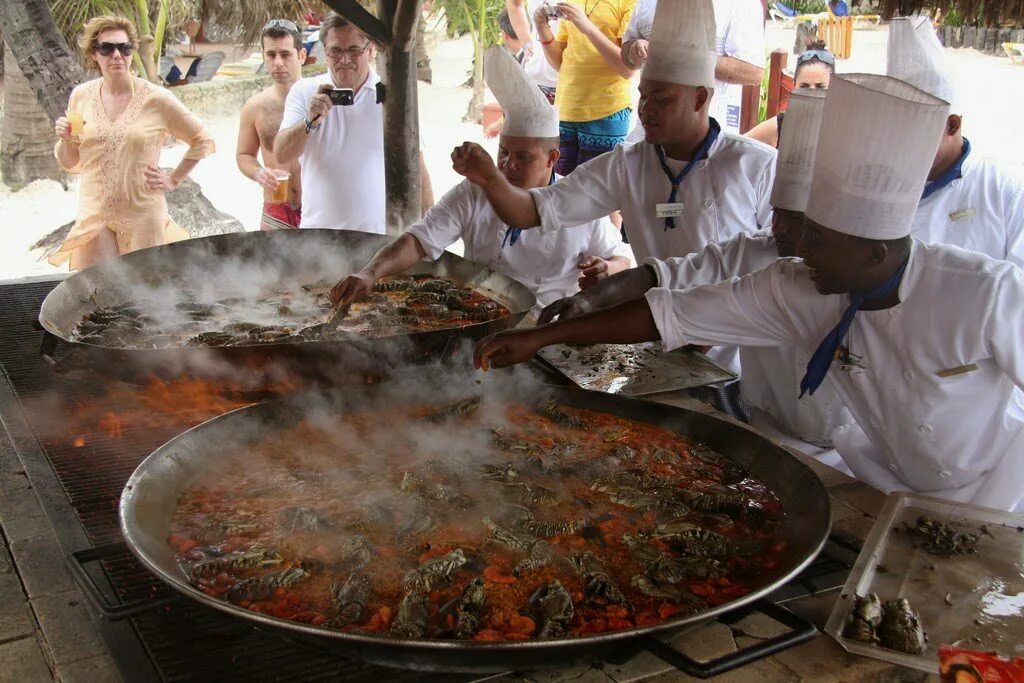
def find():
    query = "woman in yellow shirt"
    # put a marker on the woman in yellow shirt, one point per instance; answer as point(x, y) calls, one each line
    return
point(593, 83)
point(121, 125)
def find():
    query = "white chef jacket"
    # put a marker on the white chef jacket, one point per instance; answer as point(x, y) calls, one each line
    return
point(771, 374)
point(931, 391)
point(739, 33)
point(343, 162)
point(722, 196)
point(543, 260)
point(981, 211)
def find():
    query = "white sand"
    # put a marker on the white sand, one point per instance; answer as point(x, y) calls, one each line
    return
point(992, 92)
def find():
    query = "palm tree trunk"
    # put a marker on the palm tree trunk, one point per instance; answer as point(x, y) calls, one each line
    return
point(26, 146)
point(476, 102)
point(42, 54)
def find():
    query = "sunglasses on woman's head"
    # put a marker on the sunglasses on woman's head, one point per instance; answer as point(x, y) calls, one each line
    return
point(821, 55)
point(107, 49)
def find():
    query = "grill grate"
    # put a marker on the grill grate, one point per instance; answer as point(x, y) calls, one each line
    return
point(184, 641)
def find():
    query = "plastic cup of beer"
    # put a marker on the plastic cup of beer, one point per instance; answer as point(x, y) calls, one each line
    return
point(76, 121)
point(281, 192)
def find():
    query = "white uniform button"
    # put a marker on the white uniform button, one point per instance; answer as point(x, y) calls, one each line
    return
point(703, 164)
point(945, 474)
point(955, 183)
point(925, 429)
point(908, 375)
point(893, 467)
point(708, 203)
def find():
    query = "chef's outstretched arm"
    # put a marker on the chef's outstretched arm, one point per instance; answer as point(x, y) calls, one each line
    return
point(627, 323)
point(393, 258)
point(514, 206)
point(614, 289)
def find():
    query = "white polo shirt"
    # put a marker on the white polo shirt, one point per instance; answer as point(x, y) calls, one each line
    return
point(343, 163)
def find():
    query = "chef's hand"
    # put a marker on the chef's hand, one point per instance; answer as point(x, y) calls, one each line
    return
point(506, 348)
point(564, 309)
point(472, 161)
point(592, 269)
point(320, 104)
point(638, 53)
point(575, 15)
point(266, 179)
point(159, 180)
point(351, 289)
point(62, 128)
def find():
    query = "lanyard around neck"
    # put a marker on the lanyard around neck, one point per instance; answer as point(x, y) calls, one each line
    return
point(952, 173)
point(512, 234)
point(702, 152)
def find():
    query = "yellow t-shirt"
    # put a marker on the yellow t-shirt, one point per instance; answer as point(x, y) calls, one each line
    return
point(588, 89)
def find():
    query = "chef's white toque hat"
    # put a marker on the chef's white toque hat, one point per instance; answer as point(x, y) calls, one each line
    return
point(527, 111)
point(682, 46)
point(798, 140)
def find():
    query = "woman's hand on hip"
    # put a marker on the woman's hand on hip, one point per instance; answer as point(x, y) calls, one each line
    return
point(159, 180)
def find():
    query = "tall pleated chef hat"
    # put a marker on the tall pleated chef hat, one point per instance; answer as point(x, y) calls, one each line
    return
point(527, 111)
point(917, 57)
point(798, 140)
point(877, 141)
point(682, 47)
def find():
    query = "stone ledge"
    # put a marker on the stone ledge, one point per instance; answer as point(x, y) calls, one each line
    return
point(217, 97)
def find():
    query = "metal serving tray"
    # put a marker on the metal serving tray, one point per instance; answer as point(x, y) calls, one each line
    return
point(633, 369)
point(973, 601)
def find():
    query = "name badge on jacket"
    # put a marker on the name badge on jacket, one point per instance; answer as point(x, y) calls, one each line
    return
point(669, 210)
point(962, 214)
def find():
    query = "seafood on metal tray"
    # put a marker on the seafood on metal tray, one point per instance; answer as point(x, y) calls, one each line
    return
point(489, 545)
point(470, 605)
point(942, 538)
point(349, 599)
point(434, 572)
point(900, 628)
point(262, 587)
point(865, 618)
point(552, 604)
point(598, 585)
point(411, 620)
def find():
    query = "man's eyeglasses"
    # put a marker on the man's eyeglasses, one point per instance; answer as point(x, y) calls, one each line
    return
point(353, 53)
point(107, 49)
point(282, 24)
point(822, 55)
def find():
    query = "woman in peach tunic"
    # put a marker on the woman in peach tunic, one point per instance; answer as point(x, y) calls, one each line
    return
point(122, 206)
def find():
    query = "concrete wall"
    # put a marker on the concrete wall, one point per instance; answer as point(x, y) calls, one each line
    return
point(217, 97)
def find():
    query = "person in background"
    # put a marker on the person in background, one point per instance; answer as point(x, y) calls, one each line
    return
point(533, 59)
point(739, 41)
point(120, 123)
point(687, 185)
point(551, 264)
point(922, 342)
point(814, 68)
point(513, 43)
point(283, 56)
point(969, 201)
point(339, 147)
point(771, 375)
point(593, 84)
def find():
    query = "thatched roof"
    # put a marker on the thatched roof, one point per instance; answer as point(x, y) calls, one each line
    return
point(251, 15)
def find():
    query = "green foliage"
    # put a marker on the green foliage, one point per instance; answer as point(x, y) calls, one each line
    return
point(953, 18)
point(479, 18)
point(808, 6)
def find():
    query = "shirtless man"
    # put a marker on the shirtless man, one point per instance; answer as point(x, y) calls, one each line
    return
point(283, 55)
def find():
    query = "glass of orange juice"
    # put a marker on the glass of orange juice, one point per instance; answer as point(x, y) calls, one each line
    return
point(281, 192)
point(76, 121)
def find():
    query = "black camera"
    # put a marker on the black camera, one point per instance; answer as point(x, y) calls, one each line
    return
point(343, 96)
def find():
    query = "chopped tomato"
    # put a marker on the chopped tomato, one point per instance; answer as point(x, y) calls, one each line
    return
point(647, 618)
point(318, 619)
point(224, 580)
point(522, 624)
point(489, 636)
point(512, 635)
point(616, 624)
point(495, 575)
point(294, 600)
point(450, 620)
point(279, 593)
point(617, 611)
point(283, 610)
point(264, 606)
point(666, 610)
point(701, 589)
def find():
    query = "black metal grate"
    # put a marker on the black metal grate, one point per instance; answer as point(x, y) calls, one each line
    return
point(185, 641)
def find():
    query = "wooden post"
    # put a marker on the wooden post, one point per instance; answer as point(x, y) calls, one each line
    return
point(776, 66)
point(394, 32)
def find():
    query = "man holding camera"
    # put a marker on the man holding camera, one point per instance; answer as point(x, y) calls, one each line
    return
point(334, 125)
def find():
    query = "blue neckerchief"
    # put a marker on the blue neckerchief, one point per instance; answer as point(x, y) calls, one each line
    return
point(952, 173)
point(822, 359)
point(702, 152)
point(512, 234)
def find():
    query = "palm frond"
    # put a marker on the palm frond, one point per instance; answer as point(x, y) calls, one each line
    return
point(245, 19)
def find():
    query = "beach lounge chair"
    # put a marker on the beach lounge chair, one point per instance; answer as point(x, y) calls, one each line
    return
point(207, 67)
point(1015, 51)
